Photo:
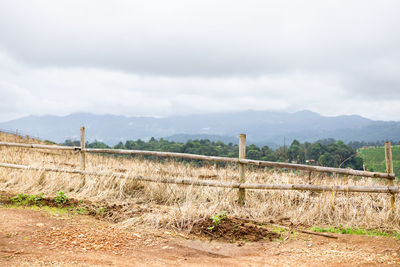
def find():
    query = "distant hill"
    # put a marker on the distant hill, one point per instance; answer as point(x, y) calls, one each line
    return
point(261, 127)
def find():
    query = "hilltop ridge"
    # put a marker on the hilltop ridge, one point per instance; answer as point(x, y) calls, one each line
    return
point(261, 127)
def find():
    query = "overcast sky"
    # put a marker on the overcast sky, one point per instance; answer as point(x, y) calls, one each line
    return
point(184, 57)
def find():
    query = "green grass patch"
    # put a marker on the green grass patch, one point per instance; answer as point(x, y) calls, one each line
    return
point(355, 231)
point(282, 232)
point(374, 159)
point(82, 211)
point(56, 211)
point(61, 204)
point(58, 206)
point(278, 230)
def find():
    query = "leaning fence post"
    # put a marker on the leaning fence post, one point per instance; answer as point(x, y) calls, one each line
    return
point(83, 154)
point(389, 169)
point(242, 155)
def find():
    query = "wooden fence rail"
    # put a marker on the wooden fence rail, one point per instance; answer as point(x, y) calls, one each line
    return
point(390, 176)
point(52, 147)
point(211, 183)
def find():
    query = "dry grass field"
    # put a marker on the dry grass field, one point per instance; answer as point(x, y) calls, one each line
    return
point(155, 224)
point(179, 207)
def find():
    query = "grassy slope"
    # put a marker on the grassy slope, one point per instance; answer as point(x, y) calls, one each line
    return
point(374, 159)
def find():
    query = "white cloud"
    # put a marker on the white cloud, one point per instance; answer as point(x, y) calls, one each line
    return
point(61, 91)
point(178, 57)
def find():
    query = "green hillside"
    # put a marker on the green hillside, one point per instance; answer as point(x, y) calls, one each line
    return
point(374, 159)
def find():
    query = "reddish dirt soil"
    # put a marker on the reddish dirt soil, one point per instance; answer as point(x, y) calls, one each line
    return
point(36, 238)
point(232, 230)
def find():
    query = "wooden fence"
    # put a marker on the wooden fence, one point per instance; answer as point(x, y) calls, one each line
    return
point(241, 161)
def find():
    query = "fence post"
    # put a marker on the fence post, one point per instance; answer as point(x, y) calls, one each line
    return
point(83, 154)
point(389, 169)
point(242, 155)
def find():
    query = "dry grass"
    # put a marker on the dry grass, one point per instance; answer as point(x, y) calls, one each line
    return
point(178, 206)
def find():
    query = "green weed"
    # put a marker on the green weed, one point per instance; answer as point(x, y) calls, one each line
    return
point(355, 231)
point(278, 230)
point(100, 211)
point(216, 219)
point(82, 211)
point(25, 200)
point(61, 198)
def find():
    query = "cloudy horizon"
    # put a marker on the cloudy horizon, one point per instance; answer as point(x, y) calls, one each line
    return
point(163, 58)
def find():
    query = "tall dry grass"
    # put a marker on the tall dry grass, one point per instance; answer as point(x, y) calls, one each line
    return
point(179, 206)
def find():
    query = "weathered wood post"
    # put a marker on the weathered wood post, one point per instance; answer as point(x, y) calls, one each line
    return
point(83, 154)
point(242, 155)
point(389, 169)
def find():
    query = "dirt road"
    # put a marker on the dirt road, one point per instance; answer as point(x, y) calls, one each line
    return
point(39, 238)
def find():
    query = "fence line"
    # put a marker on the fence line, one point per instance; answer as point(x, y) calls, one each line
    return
point(241, 161)
point(53, 147)
point(389, 176)
point(19, 133)
point(211, 183)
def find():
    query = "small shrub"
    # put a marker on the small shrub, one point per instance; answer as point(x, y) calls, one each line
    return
point(216, 219)
point(61, 198)
point(19, 199)
point(24, 199)
point(100, 211)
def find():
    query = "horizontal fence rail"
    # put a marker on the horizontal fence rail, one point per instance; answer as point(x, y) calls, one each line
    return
point(53, 147)
point(210, 183)
point(389, 176)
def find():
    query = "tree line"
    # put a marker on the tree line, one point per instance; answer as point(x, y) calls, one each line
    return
point(360, 144)
point(327, 152)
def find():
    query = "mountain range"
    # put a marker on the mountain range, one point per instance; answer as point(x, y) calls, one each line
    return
point(261, 127)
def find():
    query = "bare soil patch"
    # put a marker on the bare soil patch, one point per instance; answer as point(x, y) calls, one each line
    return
point(226, 230)
point(38, 238)
point(233, 230)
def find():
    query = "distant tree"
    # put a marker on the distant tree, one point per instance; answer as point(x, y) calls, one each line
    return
point(316, 151)
point(327, 141)
point(97, 144)
point(120, 145)
point(327, 152)
point(296, 152)
point(253, 152)
point(268, 154)
point(70, 142)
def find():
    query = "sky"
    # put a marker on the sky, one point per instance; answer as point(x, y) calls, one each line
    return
point(162, 58)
